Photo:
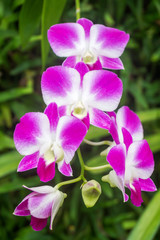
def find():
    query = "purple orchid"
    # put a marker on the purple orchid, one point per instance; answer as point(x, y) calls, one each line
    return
point(132, 168)
point(46, 139)
point(125, 126)
point(42, 203)
point(94, 44)
point(82, 93)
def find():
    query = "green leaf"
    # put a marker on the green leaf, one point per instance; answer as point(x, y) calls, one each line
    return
point(16, 184)
point(154, 141)
point(149, 222)
point(51, 13)
point(29, 18)
point(149, 115)
point(6, 141)
point(14, 93)
point(9, 162)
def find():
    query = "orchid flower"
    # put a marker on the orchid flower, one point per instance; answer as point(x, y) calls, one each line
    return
point(125, 126)
point(94, 44)
point(46, 139)
point(42, 203)
point(82, 93)
point(132, 168)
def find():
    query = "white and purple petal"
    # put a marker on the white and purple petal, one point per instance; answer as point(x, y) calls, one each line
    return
point(116, 158)
point(70, 133)
point(102, 90)
point(40, 205)
point(147, 185)
point(31, 133)
point(61, 85)
point(65, 168)
point(52, 113)
point(86, 24)
point(106, 41)
point(140, 160)
point(111, 63)
point(28, 162)
point(67, 39)
point(136, 197)
point(130, 121)
point(99, 119)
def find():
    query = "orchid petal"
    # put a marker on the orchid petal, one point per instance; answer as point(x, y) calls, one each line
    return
point(95, 66)
point(136, 197)
point(28, 162)
point(32, 131)
point(111, 63)
point(82, 69)
point(127, 138)
point(70, 133)
point(108, 42)
point(46, 172)
point(38, 224)
point(140, 160)
point(116, 158)
point(65, 168)
point(131, 122)
point(58, 201)
point(67, 39)
point(61, 85)
point(40, 205)
point(102, 90)
point(22, 208)
point(147, 185)
point(99, 119)
point(69, 62)
point(117, 181)
point(86, 24)
point(42, 189)
point(52, 113)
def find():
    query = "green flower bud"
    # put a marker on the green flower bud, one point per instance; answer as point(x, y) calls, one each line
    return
point(90, 193)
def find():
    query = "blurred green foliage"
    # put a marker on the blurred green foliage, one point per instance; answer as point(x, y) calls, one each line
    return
point(23, 51)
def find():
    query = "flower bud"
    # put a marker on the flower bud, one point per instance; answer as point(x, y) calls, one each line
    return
point(90, 193)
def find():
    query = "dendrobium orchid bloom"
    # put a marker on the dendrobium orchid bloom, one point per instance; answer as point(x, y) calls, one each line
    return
point(46, 139)
point(94, 44)
point(132, 168)
point(125, 126)
point(82, 93)
point(42, 203)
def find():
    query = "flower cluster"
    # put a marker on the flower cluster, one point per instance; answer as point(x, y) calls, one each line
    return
point(78, 94)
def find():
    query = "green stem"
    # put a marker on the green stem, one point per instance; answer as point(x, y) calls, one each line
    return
point(97, 143)
point(68, 182)
point(77, 9)
point(81, 163)
point(92, 169)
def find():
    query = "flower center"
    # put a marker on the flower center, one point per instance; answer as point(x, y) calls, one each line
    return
point(89, 58)
point(58, 152)
point(49, 156)
point(54, 153)
point(79, 110)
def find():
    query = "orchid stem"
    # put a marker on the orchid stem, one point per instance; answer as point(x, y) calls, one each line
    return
point(82, 164)
point(92, 169)
point(97, 143)
point(77, 9)
point(68, 182)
